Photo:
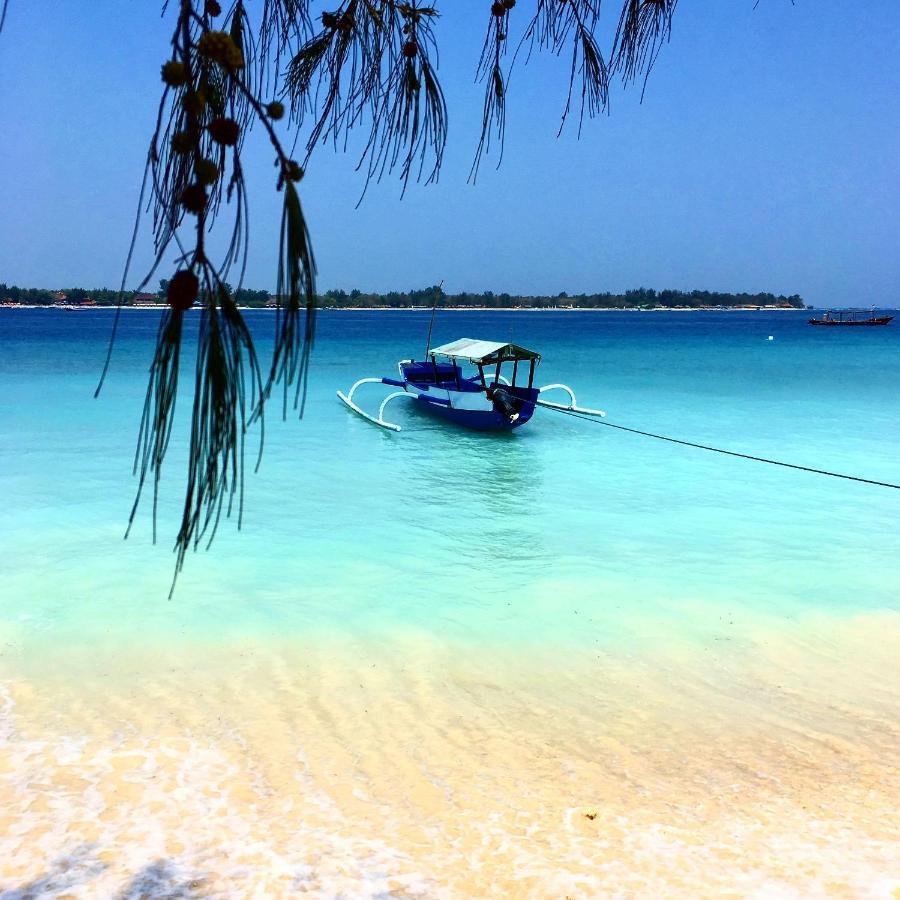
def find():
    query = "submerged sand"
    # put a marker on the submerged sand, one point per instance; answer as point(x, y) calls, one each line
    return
point(407, 766)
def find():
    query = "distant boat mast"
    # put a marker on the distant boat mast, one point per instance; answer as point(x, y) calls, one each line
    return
point(437, 294)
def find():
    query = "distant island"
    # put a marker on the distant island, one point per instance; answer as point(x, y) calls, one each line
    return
point(638, 298)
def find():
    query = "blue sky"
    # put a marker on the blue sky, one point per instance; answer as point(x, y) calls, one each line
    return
point(765, 156)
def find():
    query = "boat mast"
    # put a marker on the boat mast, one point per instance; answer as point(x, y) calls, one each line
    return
point(437, 295)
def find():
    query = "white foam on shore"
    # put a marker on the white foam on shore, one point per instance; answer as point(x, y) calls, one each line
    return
point(413, 769)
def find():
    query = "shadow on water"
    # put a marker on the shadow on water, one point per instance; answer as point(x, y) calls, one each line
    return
point(66, 872)
point(492, 472)
point(480, 487)
point(160, 878)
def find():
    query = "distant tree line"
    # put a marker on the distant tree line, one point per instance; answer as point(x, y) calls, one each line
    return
point(243, 296)
point(639, 298)
point(110, 297)
point(44, 297)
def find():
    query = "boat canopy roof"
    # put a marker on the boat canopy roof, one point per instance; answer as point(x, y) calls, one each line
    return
point(482, 352)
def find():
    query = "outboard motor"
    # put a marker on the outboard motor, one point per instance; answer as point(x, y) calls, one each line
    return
point(504, 402)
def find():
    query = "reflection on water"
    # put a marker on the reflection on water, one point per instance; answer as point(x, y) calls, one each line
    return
point(476, 492)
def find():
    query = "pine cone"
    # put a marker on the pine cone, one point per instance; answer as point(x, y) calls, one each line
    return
point(224, 131)
point(206, 171)
point(193, 198)
point(174, 73)
point(183, 290)
point(219, 47)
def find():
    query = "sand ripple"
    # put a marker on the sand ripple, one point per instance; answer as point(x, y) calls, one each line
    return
point(407, 767)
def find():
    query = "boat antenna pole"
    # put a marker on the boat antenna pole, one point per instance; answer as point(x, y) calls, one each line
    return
point(437, 293)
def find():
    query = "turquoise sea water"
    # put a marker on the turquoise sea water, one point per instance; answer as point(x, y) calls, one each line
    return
point(562, 531)
point(566, 661)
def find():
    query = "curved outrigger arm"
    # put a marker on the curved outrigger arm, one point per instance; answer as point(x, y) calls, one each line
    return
point(571, 407)
point(348, 399)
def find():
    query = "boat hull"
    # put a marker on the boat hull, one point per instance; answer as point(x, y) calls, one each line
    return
point(848, 323)
point(488, 401)
point(476, 419)
point(476, 403)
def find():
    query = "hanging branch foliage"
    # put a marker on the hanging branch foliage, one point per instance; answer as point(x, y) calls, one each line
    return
point(224, 401)
point(370, 65)
point(159, 405)
point(210, 100)
point(493, 120)
point(645, 26)
point(296, 285)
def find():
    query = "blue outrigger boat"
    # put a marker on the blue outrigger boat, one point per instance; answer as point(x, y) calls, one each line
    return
point(487, 400)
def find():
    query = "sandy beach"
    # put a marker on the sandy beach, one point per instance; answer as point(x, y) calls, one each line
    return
point(411, 770)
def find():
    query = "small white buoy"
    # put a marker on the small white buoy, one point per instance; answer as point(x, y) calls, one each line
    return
point(771, 337)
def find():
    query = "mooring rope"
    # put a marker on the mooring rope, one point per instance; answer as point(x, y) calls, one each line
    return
point(762, 459)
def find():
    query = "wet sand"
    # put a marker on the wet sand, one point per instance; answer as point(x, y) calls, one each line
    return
point(407, 766)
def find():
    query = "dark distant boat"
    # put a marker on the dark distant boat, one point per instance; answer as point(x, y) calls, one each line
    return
point(850, 317)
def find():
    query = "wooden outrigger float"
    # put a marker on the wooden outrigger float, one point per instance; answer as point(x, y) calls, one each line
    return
point(487, 400)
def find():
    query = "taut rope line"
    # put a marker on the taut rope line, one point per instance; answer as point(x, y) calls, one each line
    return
point(762, 459)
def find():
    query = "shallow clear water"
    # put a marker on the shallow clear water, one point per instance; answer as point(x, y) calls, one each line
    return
point(560, 618)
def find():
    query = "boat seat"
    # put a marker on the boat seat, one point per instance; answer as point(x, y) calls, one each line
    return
point(426, 373)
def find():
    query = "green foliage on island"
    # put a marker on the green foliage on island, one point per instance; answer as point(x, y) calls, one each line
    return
point(44, 297)
point(109, 297)
point(639, 298)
